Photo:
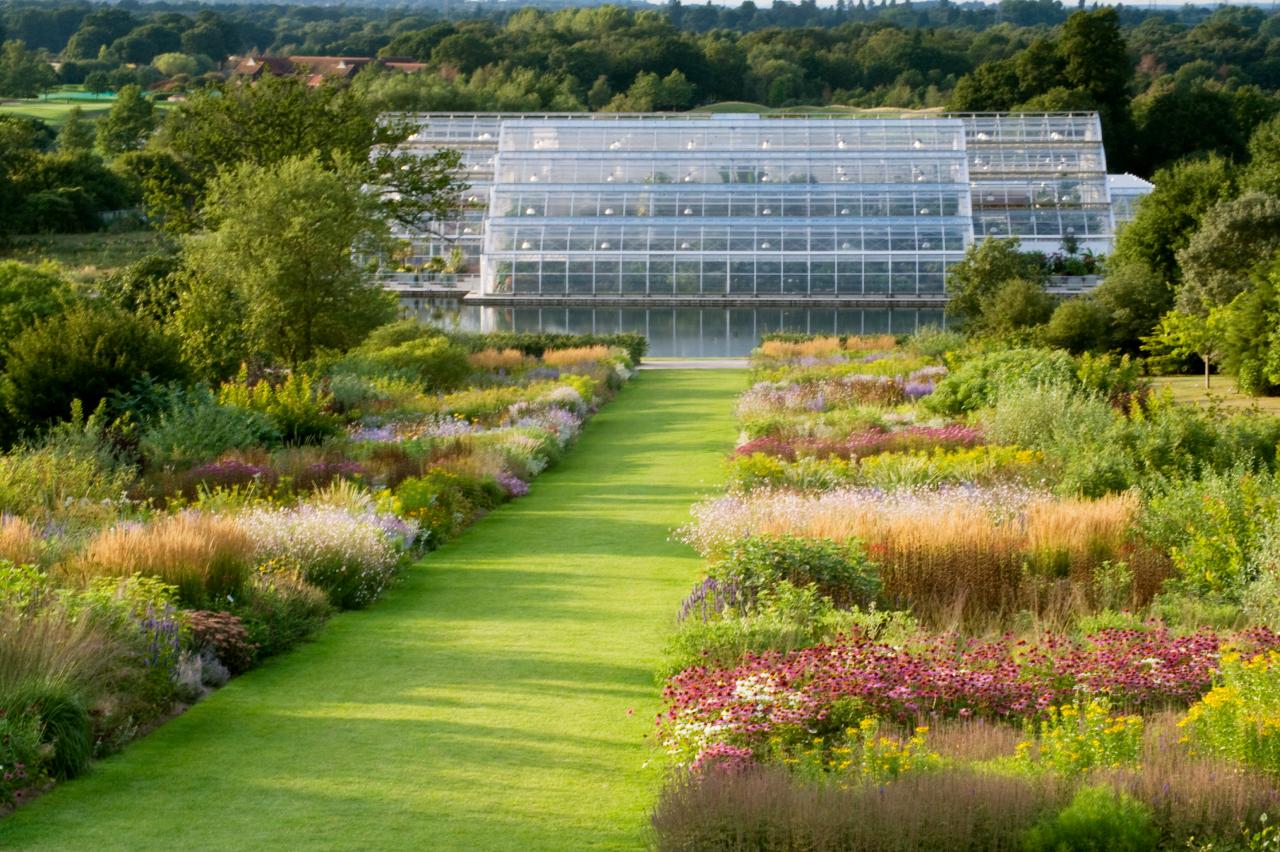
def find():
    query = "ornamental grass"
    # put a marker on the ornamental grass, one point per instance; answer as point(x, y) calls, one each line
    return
point(768, 808)
point(786, 350)
point(575, 355)
point(20, 543)
point(207, 557)
point(499, 359)
point(986, 551)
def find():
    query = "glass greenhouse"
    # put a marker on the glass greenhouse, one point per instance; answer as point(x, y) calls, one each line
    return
point(737, 206)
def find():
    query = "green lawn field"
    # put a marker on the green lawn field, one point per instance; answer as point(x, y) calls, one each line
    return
point(1222, 392)
point(502, 697)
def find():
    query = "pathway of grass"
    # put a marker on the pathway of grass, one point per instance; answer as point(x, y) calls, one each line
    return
point(501, 698)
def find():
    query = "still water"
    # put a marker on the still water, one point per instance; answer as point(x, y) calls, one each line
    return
point(676, 332)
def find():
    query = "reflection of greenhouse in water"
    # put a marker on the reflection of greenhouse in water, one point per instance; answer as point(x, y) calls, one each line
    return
point(674, 331)
point(732, 206)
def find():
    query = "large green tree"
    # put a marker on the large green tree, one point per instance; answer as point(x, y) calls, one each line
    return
point(128, 123)
point(1233, 239)
point(276, 270)
point(24, 73)
point(974, 283)
point(279, 118)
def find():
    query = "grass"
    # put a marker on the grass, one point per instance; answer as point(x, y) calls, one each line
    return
point(53, 107)
point(86, 256)
point(501, 697)
point(1222, 392)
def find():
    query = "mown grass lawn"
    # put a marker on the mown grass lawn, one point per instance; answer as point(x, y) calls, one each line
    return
point(87, 256)
point(1222, 392)
point(501, 698)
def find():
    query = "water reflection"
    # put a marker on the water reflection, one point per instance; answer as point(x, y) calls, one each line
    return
point(676, 332)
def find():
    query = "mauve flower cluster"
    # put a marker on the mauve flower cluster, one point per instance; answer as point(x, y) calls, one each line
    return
point(766, 399)
point(942, 676)
point(512, 484)
point(562, 423)
point(710, 598)
point(332, 546)
point(229, 472)
point(868, 443)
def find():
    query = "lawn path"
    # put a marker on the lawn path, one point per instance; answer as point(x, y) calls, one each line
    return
point(502, 697)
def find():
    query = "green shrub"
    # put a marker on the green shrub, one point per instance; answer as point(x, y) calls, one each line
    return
point(69, 474)
point(437, 501)
point(22, 755)
point(279, 610)
point(1213, 529)
point(298, 407)
point(433, 362)
point(196, 427)
point(1098, 819)
point(85, 354)
point(64, 727)
point(934, 342)
point(783, 618)
point(980, 382)
point(840, 571)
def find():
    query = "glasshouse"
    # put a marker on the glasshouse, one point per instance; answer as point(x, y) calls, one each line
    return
point(743, 205)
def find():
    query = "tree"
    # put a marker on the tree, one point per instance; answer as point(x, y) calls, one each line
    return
point(986, 267)
point(1134, 298)
point(84, 354)
point(278, 118)
point(1016, 305)
point(1263, 172)
point(23, 73)
point(76, 133)
point(1079, 325)
point(128, 124)
point(29, 293)
point(1181, 335)
point(1168, 217)
point(600, 93)
point(1234, 237)
point(280, 245)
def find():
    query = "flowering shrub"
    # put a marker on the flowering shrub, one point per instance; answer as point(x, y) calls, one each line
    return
point(860, 754)
point(869, 442)
point(351, 556)
point(224, 635)
point(1073, 738)
point(940, 676)
point(225, 473)
point(768, 398)
point(22, 756)
point(1239, 718)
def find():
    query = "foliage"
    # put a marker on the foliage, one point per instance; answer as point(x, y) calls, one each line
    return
point(782, 617)
point(127, 124)
point(975, 284)
point(1072, 739)
point(279, 245)
point(1098, 818)
point(279, 609)
point(29, 293)
point(225, 635)
point(297, 407)
point(435, 363)
point(352, 556)
point(840, 571)
point(979, 382)
point(84, 355)
point(195, 426)
point(1239, 719)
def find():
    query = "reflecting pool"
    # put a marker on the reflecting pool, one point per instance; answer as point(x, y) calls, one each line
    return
point(675, 332)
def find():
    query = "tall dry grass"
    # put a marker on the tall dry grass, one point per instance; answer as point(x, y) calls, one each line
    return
point(574, 355)
point(766, 808)
point(963, 560)
point(498, 359)
point(19, 541)
point(50, 648)
point(784, 350)
point(207, 557)
point(870, 342)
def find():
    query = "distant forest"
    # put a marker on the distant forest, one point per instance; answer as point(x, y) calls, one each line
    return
point(1168, 83)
